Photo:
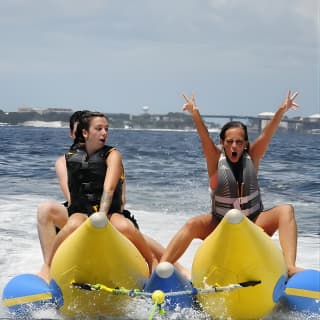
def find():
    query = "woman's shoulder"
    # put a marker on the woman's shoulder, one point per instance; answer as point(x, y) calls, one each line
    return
point(111, 152)
point(109, 149)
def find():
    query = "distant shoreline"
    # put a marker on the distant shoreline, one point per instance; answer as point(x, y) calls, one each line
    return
point(65, 125)
point(171, 121)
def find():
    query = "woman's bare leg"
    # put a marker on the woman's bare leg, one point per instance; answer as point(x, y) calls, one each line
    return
point(282, 218)
point(196, 228)
point(50, 214)
point(126, 227)
point(73, 223)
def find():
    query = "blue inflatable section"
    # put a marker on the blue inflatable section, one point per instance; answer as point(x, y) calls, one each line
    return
point(168, 279)
point(57, 295)
point(26, 293)
point(279, 289)
point(302, 292)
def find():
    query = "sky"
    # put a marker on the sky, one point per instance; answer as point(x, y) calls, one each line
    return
point(117, 56)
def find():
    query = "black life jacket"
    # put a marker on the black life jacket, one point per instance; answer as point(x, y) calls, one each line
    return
point(86, 179)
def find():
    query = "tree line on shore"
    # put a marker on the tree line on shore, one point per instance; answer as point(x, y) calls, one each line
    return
point(172, 120)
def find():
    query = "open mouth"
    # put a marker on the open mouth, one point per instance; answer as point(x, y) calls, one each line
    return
point(234, 154)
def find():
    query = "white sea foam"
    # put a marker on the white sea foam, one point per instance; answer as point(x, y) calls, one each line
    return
point(46, 124)
point(20, 251)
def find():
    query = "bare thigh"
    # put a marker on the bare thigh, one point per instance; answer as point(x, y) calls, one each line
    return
point(120, 222)
point(61, 217)
point(74, 221)
point(269, 220)
point(54, 212)
point(202, 225)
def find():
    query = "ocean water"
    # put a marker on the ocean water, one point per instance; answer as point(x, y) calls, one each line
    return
point(166, 185)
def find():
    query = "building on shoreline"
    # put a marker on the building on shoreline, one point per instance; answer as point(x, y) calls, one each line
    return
point(44, 110)
point(309, 124)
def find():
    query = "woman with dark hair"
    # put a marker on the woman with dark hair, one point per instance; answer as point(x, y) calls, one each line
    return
point(232, 170)
point(52, 215)
point(95, 181)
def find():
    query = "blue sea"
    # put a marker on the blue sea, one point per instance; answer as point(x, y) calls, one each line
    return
point(166, 184)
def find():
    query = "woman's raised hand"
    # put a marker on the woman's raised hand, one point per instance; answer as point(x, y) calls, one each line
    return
point(190, 104)
point(289, 102)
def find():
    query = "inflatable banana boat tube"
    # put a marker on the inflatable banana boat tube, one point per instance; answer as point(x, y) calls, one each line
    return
point(95, 253)
point(238, 251)
point(238, 272)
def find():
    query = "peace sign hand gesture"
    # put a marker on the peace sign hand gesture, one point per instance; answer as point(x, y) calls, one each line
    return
point(190, 104)
point(289, 102)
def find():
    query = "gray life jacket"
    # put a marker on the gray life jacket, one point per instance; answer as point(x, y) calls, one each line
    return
point(229, 193)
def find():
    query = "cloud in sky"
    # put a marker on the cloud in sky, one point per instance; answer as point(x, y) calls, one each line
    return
point(238, 57)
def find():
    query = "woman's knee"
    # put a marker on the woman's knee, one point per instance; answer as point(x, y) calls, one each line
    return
point(193, 227)
point(45, 210)
point(75, 221)
point(51, 211)
point(122, 224)
point(191, 224)
point(287, 212)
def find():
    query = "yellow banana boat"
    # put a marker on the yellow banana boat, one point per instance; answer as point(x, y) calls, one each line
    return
point(238, 251)
point(96, 253)
point(238, 273)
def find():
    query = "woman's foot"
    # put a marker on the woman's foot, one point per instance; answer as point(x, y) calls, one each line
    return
point(293, 270)
point(44, 273)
